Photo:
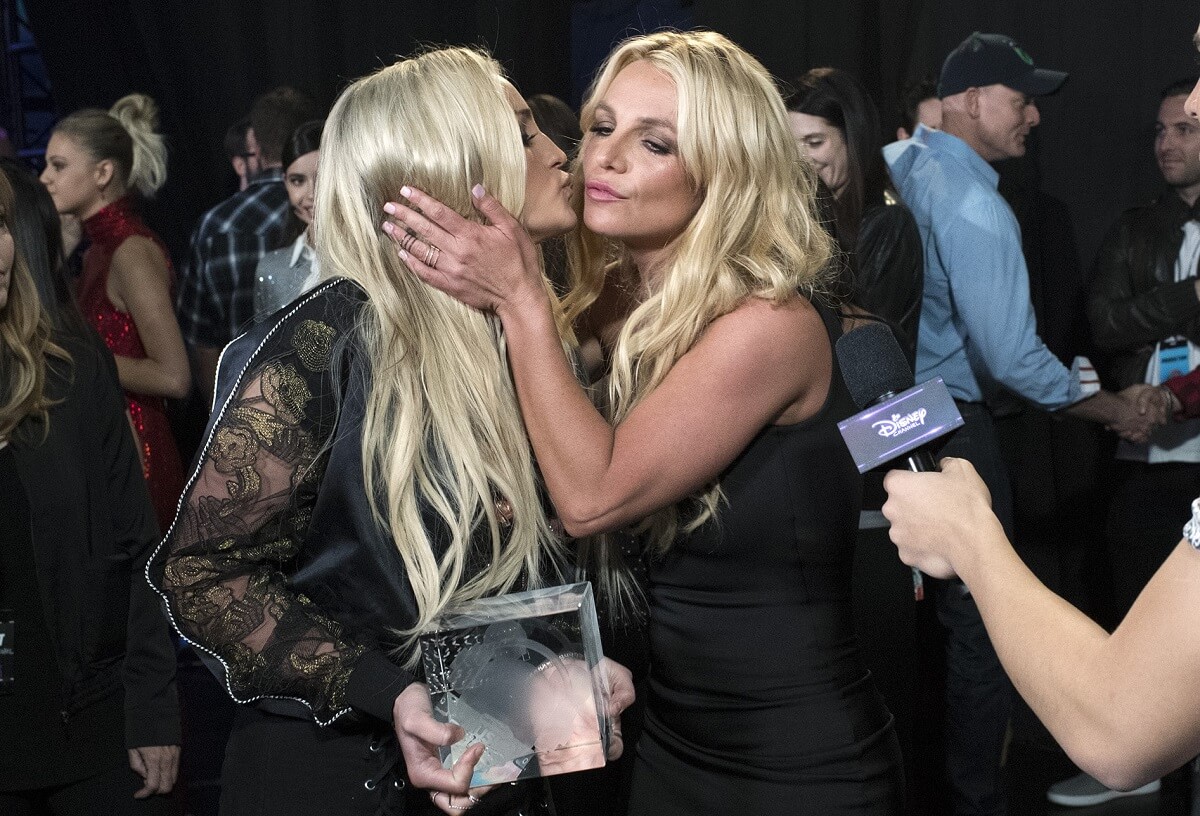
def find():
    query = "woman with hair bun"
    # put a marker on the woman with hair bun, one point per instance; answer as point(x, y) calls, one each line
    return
point(701, 269)
point(95, 162)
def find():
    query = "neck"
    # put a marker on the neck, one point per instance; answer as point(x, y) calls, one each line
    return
point(1189, 194)
point(99, 204)
point(646, 264)
point(956, 127)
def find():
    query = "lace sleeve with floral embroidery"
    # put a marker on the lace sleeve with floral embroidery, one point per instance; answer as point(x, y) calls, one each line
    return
point(244, 518)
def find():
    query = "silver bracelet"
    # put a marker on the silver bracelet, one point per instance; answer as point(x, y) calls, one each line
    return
point(1191, 530)
point(562, 658)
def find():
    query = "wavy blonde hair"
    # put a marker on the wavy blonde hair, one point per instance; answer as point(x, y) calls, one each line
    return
point(24, 339)
point(126, 134)
point(442, 426)
point(754, 234)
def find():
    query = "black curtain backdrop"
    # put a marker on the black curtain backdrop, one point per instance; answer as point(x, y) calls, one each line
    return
point(1094, 148)
point(206, 61)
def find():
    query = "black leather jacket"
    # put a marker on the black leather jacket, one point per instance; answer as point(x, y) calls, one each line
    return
point(890, 270)
point(275, 568)
point(92, 526)
point(1134, 300)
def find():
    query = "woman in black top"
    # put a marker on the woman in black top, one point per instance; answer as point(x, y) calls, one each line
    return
point(837, 125)
point(365, 466)
point(88, 714)
point(701, 274)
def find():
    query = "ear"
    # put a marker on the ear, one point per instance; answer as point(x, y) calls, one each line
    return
point(902, 134)
point(239, 165)
point(104, 173)
point(972, 102)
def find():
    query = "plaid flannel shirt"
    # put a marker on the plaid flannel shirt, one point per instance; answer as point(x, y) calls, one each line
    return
point(216, 292)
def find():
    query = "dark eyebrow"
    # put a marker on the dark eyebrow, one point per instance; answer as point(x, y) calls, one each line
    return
point(644, 121)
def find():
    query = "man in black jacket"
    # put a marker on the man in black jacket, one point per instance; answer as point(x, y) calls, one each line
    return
point(1144, 309)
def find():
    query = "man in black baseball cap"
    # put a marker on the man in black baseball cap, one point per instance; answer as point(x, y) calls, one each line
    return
point(978, 330)
point(988, 85)
point(994, 59)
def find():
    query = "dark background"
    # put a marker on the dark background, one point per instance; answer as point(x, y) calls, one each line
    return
point(206, 60)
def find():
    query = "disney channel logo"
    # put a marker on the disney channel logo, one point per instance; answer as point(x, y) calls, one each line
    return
point(900, 423)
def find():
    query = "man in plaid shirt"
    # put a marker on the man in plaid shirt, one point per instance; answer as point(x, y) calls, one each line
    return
point(216, 293)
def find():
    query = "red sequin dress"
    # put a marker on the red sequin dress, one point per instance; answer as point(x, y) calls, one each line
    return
point(107, 230)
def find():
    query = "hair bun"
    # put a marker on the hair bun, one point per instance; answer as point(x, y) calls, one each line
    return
point(136, 112)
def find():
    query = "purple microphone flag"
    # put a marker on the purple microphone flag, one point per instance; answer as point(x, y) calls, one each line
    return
point(901, 424)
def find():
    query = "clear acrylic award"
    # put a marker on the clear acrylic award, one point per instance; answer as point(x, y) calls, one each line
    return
point(521, 673)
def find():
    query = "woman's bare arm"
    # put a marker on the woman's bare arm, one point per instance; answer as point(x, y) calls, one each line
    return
point(140, 285)
point(1123, 706)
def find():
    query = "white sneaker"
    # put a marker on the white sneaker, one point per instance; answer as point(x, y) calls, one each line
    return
point(1082, 791)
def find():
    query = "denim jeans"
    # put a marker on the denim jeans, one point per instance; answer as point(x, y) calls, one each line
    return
point(979, 695)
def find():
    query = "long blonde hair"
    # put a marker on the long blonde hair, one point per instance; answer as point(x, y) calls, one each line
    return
point(442, 425)
point(127, 135)
point(24, 339)
point(754, 234)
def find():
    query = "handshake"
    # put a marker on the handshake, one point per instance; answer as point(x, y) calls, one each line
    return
point(1144, 408)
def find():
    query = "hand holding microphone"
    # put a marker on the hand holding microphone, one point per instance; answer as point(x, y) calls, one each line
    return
point(895, 428)
point(898, 420)
point(936, 518)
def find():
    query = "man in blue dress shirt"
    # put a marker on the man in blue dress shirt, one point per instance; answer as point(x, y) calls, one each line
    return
point(978, 333)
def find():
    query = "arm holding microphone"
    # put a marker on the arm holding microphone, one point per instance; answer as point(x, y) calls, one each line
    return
point(1123, 705)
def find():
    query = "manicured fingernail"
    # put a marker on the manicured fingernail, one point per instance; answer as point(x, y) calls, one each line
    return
point(405, 191)
point(387, 227)
point(403, 255)
point(478, 191)
point(389, 208)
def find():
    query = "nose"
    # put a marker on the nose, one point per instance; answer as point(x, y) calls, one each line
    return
point(1192, 106)
point(602, 153)
point(42, 178)
point(558, 159)
point(1032, 115)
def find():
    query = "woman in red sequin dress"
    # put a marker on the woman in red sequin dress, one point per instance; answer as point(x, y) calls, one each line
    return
point(94, 162)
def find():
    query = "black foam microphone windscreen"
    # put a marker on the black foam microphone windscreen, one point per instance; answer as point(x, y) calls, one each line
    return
point(872, 363)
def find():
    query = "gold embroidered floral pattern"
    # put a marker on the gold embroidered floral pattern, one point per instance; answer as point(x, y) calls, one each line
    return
point(285, 391)
point(313, 342)
point(183, 572)
point(245, 517)
point(233, 448)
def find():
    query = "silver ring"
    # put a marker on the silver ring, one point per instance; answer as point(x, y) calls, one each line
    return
point(431, 256)
point(474, 801)
point(407, 241)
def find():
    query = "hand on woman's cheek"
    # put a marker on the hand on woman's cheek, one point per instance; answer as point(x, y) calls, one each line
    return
point(488, 266)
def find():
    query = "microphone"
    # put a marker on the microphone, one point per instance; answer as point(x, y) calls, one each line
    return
point(897, 419)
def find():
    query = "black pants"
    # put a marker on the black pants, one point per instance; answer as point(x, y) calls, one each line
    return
point(885, 627)
point(979, 695)
point(1150, 505)
point(284, 766)
point(106, 794)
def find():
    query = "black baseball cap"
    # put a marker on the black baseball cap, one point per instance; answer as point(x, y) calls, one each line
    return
point(991, 59)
